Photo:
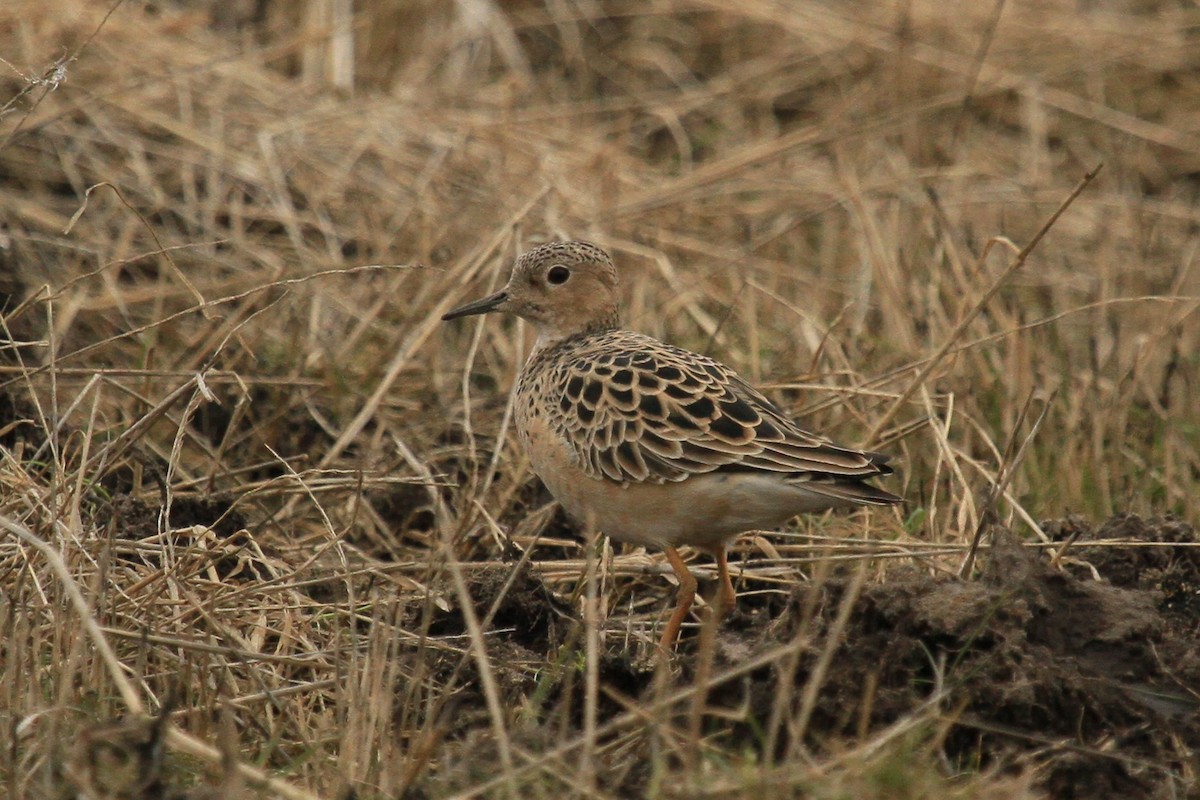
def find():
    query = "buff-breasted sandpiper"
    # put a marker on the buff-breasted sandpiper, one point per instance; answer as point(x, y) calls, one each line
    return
point(653, 444)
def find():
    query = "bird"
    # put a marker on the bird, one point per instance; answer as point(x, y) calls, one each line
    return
point(653, 444)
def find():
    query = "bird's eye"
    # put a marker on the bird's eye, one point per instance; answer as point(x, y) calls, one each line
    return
point(558, 275)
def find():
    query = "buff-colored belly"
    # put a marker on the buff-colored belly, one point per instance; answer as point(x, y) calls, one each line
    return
point(699, 510)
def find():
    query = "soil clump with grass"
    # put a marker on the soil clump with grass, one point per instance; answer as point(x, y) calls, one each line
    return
point(1056, 663)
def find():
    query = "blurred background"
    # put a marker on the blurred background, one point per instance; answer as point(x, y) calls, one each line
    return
point(816, 192)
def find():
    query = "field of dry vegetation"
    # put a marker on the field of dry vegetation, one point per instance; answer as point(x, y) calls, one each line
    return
point(265, 530)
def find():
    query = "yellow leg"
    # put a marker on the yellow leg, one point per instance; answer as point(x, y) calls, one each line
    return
point(725, 597)
point(687, 593)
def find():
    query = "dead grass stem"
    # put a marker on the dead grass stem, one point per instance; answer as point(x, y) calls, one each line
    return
point(258, 502)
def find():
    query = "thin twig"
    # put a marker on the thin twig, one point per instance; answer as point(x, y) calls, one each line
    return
point(1001, 279)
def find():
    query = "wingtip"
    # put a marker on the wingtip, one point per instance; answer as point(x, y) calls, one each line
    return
point(882, 497)
point(858, 493)
point(880, 461)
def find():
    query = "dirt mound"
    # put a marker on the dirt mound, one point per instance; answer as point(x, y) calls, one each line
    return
point(1157, 555)
point(1035, 664)
point(1091, 681)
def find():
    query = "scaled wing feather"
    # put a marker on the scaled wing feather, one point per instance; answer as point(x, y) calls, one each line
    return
point(636, 410)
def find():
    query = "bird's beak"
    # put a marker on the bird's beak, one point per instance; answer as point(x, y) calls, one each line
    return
point(483, 306)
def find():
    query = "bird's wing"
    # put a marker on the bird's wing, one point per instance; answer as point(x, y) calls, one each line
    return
point(636, 410)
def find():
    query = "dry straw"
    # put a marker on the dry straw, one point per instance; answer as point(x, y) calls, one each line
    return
point(244, 465)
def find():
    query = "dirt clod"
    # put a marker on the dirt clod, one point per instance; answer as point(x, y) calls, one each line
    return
point(1093, 680)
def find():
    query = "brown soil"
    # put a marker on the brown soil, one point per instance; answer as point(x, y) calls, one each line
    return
point(1092, 682)
point(1091, 679)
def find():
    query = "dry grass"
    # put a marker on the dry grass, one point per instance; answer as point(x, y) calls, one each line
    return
point(225, 270)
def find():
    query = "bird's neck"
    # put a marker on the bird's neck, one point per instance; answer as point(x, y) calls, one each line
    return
point(550, 336)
